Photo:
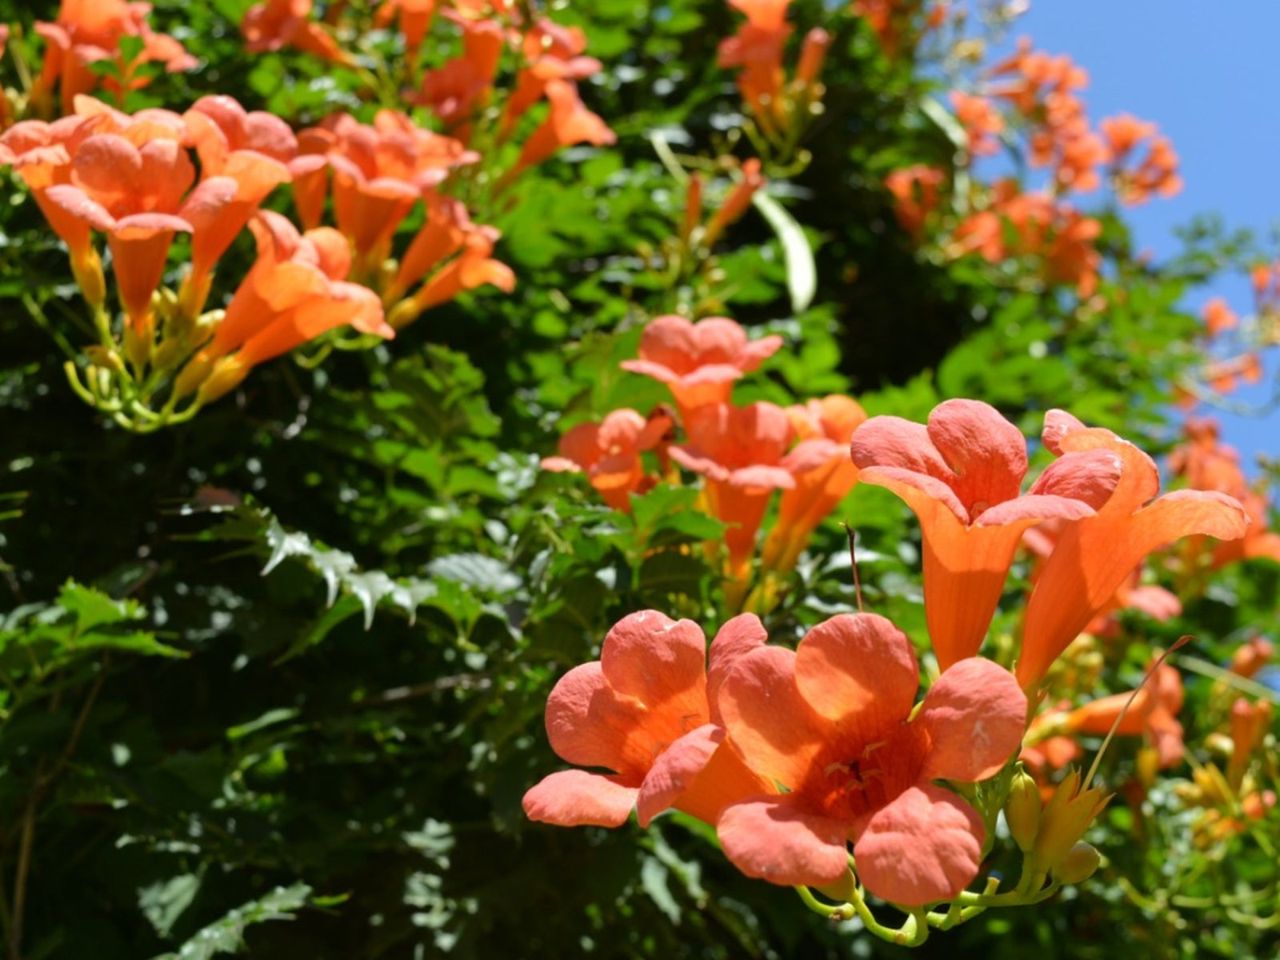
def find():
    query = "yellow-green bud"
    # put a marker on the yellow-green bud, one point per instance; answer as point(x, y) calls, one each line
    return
point(1022, 810)
point(1080, 863)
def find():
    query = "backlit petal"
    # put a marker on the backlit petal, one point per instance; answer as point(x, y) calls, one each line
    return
point(975, 715)
point(576, 798)
point(770, 839)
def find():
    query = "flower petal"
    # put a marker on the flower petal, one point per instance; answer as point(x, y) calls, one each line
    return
point(655, 659)
point(772, 726)
point(675, 770)
point(975, 715)
point(858, 668)
point(576, 798)
point(986, 452)
point(589, 724)
point(770, 839)
point(924, 846)
point(736, 638)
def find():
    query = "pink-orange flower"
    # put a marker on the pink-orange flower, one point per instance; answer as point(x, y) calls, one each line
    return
point(1249, 724)
point(609, 454)
point(455, 90)
point(1158, 170)
point(832, 723)
point(962, 476)
point(699, 361)
point(40, 153)
point(137, 196)
point(645, 711)
point(916, 193)
point(276, 24)
point(380, 171)
point(742, 453)
point(567, 123)
point(1153, 714)
point(756, 48)
point(295, 292)
point(1251, 656)
point(90, 31)
point(473, 267)
point(981, 121)
point(249, 149)
point(414, 17)
point(736, 203)
point(824, 428)
point(1094, 556)
point(552, 52)
point(1218, 316)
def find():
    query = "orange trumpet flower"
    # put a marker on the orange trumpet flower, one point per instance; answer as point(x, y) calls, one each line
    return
point(835, 723)
point(569, 122)
point(294, 293)
point(699, 361)
point(473, 267)
point(89, 31)
point(1094, 556)
point(962, 476)
point(757, 49)
point(646, 711)
point(741, 451)
point(276, 24)
point(553, 52)
point(825, 428)
point(134, 195)
point(1153, 715)
point(609, 454)
point(455, 90)
point(414, 17)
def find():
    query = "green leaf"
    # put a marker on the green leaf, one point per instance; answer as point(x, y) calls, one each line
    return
point(802, 275)
point(227, 935)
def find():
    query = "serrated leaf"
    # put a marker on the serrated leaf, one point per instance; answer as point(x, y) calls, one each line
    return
point(227, 935)
point(475, 570)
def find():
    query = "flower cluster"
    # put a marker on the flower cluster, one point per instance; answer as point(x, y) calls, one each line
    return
point(88, 34)
point(743, 453)
point(1031, 101)
point(467, 94)
point(780, 108)
point(791, 755)
point(817, 767)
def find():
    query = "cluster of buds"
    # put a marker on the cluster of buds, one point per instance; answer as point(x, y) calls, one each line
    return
point(743, 453)
point(780, 109)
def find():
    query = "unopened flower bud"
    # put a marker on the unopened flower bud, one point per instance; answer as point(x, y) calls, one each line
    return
point(816, 43)
point(228, 373)
point(87, 270)
point(842, 890)
point(1081, 863)
point(1148, 766)
point(105, 357)
point(1022, 810)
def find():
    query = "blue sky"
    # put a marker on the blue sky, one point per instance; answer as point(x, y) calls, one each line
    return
point(1204, 71)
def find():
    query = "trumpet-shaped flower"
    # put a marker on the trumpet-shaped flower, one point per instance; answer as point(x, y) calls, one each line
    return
point(414, 17)
point(136, 196)
point(86, 32)
point(552, 52)
point(699, 361)
point(962, 476)
point(1094, 556)
point(276, 24)
point(824, 428)
point(455, 90)
point(473, 267)
point(568, 122)
point(1249, 724)
point(756, 49)
point(294, 292)
point(832, 723)
point(1251, 656)
point(609, 454)
point(742, 453)
point(1153, 714)
point(645, 711)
